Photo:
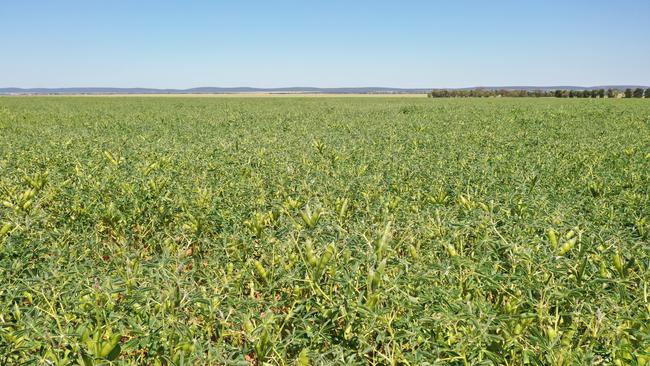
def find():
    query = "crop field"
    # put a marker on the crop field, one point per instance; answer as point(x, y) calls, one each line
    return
point(309, 231)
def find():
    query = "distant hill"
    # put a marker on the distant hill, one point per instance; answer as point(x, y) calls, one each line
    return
point(292, 90)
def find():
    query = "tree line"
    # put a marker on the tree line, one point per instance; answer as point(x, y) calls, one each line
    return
point(587, 93)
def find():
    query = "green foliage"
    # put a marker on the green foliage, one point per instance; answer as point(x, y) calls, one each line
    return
point(310, 231)
point(637, 93)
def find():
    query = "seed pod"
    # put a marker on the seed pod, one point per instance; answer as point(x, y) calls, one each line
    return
point(261, 271)
point(16, 312)
point(551, 333)
point(111, 349)
point(373, 281)
point(343, 208)
point(28, 297)
point(303, 358)
point(325, 258)
point(552, 238)
point(347, 255)
point(617, 259)
point(329, 252)
point(603, 269)
point(5, 229)
point(248, 327)
point(413, 252)
point(451, 250)
point(311, 257)
point(27, 205)
point(347, 333)
point(567, 246)
point(110, 157)
point(567, 338)
point(570, 234)
point(382, 244)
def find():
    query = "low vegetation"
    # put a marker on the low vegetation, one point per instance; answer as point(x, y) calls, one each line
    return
point(297, 231)
point(537, 93)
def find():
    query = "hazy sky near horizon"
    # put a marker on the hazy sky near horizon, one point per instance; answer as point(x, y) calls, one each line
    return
point(334, 43)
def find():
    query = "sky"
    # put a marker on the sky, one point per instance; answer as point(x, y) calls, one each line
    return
point(333, 43)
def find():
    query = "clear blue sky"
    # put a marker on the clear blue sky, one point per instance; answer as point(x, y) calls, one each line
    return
point(400, 43)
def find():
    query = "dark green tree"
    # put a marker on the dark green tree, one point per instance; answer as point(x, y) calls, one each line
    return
point(601, 93)
point(638, 93)
point(647, 93)
point(628, 93)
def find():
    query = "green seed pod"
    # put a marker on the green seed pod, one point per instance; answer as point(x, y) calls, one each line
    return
point(451, 250)
point(261, 271)
point(347, 255)
point(373, 281)
point(327, 256)
point(603, 269)
point(110, 157)
point(617, 259)
point(570, 234)
point(28, 297)
point(347, 333)
point(27, 205)
point(248, 327)
point(567, 246)
point(413, 252)
point(372, 300)
point(311, 257)
point(16, 312)
point(551, 333)
point(567, 338)
point(382, 244)
point(303, 358)
point(552, 238)
point(343, 208)
point(5, 229)
point(27, 195)
point(111, 349)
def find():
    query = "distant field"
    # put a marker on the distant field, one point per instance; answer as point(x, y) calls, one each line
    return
point(373, 230)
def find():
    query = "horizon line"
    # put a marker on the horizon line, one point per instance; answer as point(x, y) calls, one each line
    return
point(329, 87)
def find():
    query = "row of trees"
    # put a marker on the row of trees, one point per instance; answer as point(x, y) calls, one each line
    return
point(592, 93)
point(480, 92)
point(602, 93)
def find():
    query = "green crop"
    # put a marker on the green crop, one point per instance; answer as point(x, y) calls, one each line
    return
point(308, 231)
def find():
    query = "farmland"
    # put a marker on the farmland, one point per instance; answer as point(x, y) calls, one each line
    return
point(384, 231)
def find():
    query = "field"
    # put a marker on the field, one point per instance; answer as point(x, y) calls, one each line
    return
point(296, 231)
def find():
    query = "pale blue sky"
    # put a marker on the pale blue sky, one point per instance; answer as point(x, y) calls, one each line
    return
point(182, 44)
